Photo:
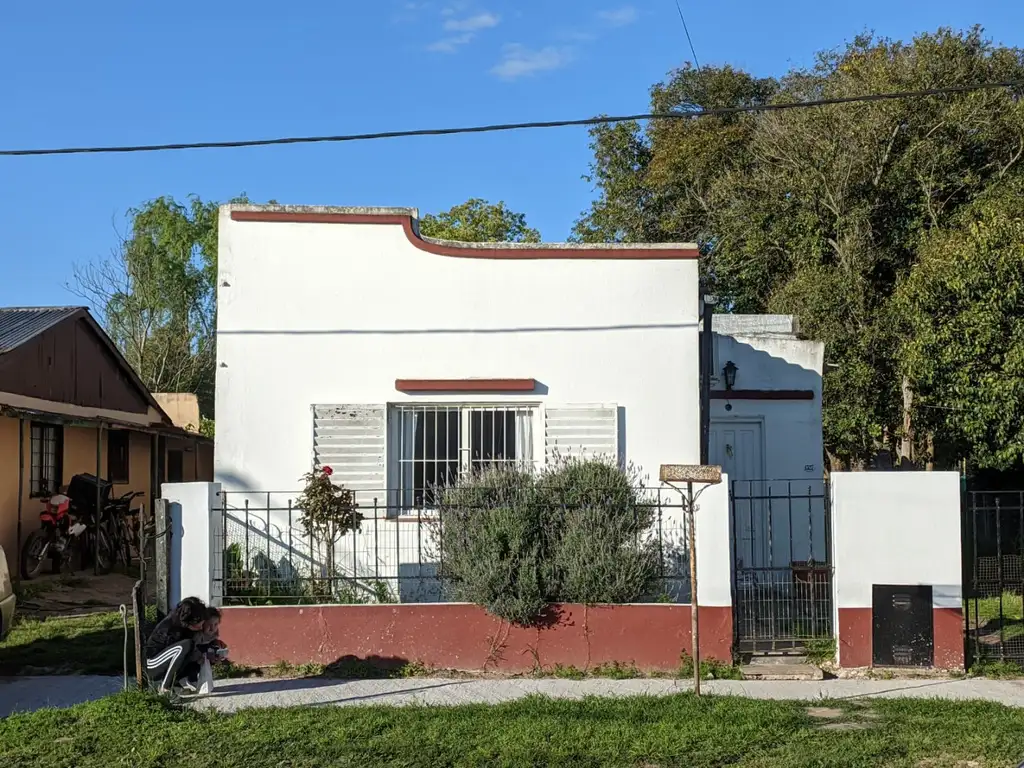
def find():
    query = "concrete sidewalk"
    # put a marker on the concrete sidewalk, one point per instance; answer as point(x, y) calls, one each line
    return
point(26, 694)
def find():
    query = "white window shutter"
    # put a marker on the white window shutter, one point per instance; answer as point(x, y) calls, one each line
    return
point(584, 431)
point(350, 439)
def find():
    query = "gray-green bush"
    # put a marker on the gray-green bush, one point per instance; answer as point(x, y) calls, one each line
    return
point(515, 541)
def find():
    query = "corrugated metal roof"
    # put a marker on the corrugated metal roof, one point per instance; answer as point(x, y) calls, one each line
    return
point(20, 324)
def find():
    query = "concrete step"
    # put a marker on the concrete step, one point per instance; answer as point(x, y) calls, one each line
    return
point(775, 659)
point(771, 659)
point(778, 671)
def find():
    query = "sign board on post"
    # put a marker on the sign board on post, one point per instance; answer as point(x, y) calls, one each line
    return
point(703, 474)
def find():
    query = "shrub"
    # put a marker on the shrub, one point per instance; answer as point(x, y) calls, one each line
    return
point(515, 541)
point(490, 537)
point(600, 553)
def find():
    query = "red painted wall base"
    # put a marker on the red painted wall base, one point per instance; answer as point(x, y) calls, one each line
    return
point(465, 637)
point(855, 646)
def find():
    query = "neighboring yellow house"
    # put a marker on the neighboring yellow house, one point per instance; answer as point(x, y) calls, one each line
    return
point(71, 404)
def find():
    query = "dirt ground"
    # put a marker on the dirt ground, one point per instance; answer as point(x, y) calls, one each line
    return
point(76, 594)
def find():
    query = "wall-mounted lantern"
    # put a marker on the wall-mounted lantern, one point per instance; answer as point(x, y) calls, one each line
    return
point(729, 372)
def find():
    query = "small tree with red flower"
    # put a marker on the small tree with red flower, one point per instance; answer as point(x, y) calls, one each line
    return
point(329, 511)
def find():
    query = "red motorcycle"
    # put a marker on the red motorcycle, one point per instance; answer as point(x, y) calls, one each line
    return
point(61, 532)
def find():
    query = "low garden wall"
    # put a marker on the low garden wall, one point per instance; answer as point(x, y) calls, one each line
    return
point(464, 637)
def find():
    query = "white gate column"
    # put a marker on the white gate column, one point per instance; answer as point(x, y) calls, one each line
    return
point(196, 540)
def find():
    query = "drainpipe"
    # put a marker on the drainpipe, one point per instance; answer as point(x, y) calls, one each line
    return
point(21, 487)
point(706, 358)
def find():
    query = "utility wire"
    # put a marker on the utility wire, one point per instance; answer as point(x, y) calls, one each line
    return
point(687, 31)
point(494, 128)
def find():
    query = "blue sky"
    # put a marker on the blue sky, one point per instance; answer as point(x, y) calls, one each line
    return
point(122, 71)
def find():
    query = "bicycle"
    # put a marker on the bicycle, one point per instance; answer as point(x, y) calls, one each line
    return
point(123, 537)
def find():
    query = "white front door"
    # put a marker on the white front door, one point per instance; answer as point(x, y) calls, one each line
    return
point(737, 447)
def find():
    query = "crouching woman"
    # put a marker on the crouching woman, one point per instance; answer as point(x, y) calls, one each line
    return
point(170, 649)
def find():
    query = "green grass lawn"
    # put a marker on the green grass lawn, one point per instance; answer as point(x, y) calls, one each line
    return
point(135, 730)
point(87, 645)
point(988, 607)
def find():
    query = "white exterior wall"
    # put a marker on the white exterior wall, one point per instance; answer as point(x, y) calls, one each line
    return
point(896, 528)
point(714, 547)
point(333, 314)
point(772, 448)
point(792, 428)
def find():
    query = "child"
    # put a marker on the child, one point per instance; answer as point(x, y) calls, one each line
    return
point(208, 640)
point(206, 647)
point(170, 648)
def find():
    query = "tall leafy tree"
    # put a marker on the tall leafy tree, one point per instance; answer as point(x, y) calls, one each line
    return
point(477, 220)
point(156, 295)
point(963, 308)
point(819, 212)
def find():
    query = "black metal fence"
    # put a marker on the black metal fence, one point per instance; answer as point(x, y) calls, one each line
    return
point(993, 579)
point(782, 564)
point(395, 556)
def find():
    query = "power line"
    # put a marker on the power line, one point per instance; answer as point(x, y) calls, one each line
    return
point(494, 128)
point(687, 31)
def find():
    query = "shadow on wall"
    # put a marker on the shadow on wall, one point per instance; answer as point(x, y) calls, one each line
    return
point(234, 481)
point(758, 368)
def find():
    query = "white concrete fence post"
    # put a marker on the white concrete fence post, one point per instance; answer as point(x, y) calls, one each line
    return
point(196, 541)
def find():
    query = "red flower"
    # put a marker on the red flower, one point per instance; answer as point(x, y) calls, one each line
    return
point(328, 471)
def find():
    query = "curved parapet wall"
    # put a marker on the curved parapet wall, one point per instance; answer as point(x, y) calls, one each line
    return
point(407, 219)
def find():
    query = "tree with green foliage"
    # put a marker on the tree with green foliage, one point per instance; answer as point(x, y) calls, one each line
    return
point(156, 295)
point(963, 310)
point(477, 221)
point(819, 212)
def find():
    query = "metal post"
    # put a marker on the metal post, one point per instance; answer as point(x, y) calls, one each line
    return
point(691, 520)
point(154, 477)
point(21, 487)
point(707, 364)
point(97, 512)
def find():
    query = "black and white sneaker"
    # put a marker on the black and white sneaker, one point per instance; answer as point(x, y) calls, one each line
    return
point(188, 687)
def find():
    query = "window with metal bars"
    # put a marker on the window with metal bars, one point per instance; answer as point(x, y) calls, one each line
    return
point(434, 445)
point(47, 459)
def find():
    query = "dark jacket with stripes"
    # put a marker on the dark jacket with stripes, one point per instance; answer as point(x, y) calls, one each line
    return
point(165, 634)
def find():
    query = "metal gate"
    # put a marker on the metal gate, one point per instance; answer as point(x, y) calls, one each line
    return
point(782, 567)
point(993, 579)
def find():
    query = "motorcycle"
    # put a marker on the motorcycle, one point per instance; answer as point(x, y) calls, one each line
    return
point(54, 539)
point(68, 524)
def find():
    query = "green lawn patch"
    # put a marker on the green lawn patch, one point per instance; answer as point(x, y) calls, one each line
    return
point(988, 608)
point(137, 730)
point(92, 644)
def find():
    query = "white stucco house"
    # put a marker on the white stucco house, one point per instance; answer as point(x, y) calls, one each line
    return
point(345, 338)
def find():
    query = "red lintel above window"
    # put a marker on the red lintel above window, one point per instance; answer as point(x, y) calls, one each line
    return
point(762, 394)
point(465, 385)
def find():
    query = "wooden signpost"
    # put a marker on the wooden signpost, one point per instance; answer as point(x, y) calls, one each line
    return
point(692, 474)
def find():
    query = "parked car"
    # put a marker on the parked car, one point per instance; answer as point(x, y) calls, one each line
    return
point(6, 596)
